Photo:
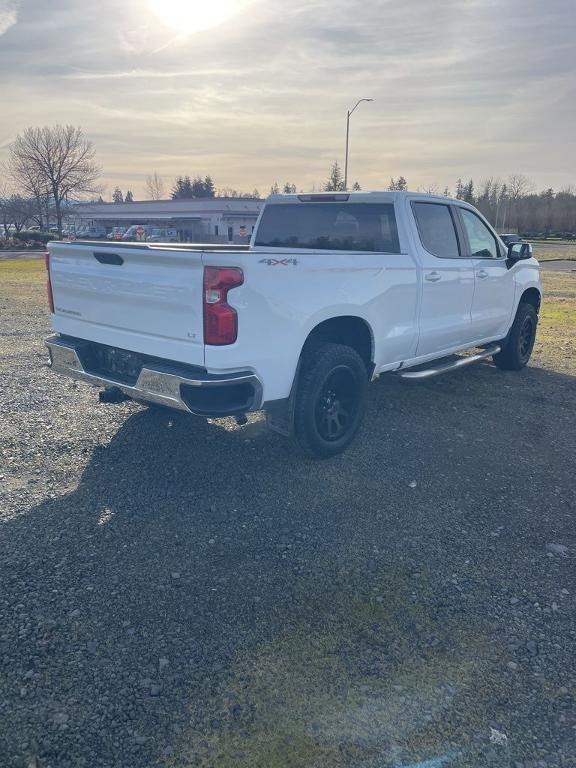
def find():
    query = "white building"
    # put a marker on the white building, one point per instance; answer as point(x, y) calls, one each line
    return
point(201, 220)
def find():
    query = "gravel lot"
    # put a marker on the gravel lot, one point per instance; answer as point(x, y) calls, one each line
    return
point(191, 595)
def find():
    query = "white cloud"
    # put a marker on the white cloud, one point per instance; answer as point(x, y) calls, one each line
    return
point(8, 14)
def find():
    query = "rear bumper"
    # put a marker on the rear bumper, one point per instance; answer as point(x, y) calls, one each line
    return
point(184, 388)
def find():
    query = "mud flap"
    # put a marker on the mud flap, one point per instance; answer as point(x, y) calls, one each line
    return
point(280, 413)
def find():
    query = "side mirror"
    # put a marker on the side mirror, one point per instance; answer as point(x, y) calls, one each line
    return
point(519, 251)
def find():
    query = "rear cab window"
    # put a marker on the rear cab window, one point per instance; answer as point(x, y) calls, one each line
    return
point(334, 226)
point(437, 229)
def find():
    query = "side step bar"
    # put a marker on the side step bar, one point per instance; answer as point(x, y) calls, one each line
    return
point(428, 373)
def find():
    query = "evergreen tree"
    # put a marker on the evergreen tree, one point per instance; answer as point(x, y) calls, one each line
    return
point(289, 189)
point(176, 192)
point(335, 182)
point(468, 192)
point(197, 187)
point(182, 189)
point(356, 187)
point(209, 189)
point(186, 188)
point(117, 196)
point(398, 185)
point(275, 189)
point(187, 192)
point(129, 197)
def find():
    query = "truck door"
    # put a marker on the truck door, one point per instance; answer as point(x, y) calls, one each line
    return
point(447, 279)
point(494, 290)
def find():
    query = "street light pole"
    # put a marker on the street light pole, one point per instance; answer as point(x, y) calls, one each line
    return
point(348, 116)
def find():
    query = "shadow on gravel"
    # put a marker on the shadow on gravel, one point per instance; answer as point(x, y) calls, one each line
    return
point(206, 598)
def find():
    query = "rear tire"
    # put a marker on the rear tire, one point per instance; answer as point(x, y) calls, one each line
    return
point(330, 400)
point(518, 346)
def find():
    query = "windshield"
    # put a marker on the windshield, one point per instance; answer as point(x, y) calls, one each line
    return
point(340, 226)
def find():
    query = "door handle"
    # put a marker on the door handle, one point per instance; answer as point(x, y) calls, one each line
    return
point(433, 277)
point(108, 258)
point(482, 274)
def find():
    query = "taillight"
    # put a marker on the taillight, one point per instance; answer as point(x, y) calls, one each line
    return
point(49, 283)
point(220, 319)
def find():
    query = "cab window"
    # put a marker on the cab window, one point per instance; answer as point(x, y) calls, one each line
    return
point(436, 229)
point(335, 226)
point(483, 244)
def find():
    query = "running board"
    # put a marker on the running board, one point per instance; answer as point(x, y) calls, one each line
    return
point(428, 373)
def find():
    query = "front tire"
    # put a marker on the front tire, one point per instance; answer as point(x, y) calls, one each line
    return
point(517, 348)
point(330, 400)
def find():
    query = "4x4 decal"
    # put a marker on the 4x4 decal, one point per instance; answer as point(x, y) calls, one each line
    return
point(279, 262)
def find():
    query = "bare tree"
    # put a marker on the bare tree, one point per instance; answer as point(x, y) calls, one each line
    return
point(15, 212)
point(28, 179)
point(60, 161)
point(155, 187)
point(227, 192)
point(519, 185)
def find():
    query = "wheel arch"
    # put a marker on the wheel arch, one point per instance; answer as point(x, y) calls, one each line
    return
point(351, 330)
point(531, 296)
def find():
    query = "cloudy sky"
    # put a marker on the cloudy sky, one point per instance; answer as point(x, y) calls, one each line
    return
point(252, 91)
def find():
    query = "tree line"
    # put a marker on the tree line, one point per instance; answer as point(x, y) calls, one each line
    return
point(514, 204)
point(510, 204)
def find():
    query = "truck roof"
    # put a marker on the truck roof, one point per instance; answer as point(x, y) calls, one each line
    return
point(375, 196)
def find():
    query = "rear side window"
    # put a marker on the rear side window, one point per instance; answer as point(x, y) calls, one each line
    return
point(436, 229)
point(330, 226)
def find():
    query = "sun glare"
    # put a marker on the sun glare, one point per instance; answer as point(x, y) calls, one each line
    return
point(187, 16)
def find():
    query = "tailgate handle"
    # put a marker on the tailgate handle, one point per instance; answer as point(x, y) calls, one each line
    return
point(108, 258)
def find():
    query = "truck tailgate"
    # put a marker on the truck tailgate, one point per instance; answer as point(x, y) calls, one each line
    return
point(139, 298)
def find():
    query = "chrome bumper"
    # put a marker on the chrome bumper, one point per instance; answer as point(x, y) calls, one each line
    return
point(165, 385)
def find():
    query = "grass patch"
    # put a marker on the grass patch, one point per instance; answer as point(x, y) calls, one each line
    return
point(555, 346)
point(27, 270)
point(554, 251)
point(25, 278)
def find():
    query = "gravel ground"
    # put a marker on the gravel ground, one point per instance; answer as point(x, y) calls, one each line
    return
point(182, 593)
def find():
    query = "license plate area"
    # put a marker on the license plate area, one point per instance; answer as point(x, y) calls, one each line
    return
point(111, 362)
point(124, 367)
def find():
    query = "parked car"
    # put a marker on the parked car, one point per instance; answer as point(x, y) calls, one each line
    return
point(91, 233)
point(334, 291)
point(511, 238)
point(116, 233)
point(151, 234)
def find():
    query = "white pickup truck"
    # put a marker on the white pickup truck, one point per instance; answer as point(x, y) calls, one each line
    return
point(333, 291)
